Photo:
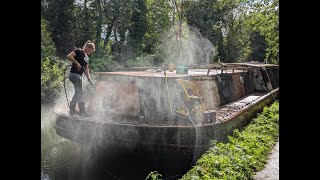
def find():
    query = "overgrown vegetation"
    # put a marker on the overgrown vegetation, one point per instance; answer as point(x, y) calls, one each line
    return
point(245, 153)
point(135, 33)
point(51, 65)
point(154, 175)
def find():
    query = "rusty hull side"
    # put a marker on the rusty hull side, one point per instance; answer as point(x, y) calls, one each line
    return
point(239, 121)
point(129, 137)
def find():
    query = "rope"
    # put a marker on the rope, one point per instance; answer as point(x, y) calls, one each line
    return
point(111, 174)
point(197, 135)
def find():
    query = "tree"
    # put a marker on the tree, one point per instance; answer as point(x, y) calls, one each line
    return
point(258, 45)
point(209, 16)
point(235, 37)
point(99, 24)
point(51, 75)
point(59, 15)
point(158, 22)
point(117, 22)
point(264, 18)
point(139, 25)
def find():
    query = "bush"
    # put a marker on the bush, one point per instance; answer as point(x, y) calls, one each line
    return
point(102, 64)
point(51, 79)
point(51, 73)
point(141, 61)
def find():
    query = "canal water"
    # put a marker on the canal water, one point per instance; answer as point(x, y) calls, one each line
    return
point(62, 159)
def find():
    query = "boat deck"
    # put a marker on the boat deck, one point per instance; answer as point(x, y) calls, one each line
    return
point(234, 108)
point(160, 73)
point(223, 113)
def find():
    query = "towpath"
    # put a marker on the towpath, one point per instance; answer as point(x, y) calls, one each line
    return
point(271, 170)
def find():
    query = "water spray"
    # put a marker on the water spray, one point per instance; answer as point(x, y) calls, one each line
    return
point(195, 149)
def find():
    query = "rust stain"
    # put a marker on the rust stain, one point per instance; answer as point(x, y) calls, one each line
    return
point(238, 87)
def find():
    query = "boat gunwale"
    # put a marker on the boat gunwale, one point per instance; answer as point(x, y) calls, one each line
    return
point(172, 126)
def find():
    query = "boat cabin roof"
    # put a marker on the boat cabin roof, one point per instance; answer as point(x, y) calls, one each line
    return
point(194, 70)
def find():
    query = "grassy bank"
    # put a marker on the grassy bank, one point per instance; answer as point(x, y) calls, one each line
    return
point(245, 153)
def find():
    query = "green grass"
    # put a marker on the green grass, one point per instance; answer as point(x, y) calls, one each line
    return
point(245, 153)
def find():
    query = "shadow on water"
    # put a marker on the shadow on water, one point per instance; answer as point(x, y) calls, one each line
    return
point(126, 167)
point(62, 159)
point(85, 164)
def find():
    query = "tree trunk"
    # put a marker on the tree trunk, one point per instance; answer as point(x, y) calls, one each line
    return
point(109, 31)
point(99, 26)
point(86, 21)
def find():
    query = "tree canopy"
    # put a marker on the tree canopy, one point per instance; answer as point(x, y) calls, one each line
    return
point(152, 32)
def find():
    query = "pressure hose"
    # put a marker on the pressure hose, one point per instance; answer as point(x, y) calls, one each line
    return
point(64, 83)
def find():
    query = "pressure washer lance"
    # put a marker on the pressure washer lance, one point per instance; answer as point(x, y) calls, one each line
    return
point(82, 68)
point(91, 94)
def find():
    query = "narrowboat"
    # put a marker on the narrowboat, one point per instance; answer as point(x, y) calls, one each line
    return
point(157, 109)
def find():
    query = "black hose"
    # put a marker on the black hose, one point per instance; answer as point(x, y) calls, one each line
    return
point(64, 83)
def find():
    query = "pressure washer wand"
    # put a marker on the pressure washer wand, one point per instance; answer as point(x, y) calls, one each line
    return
point(86, 75)
point(90, 94)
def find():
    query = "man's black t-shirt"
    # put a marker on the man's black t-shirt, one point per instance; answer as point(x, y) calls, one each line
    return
point(82, 59)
